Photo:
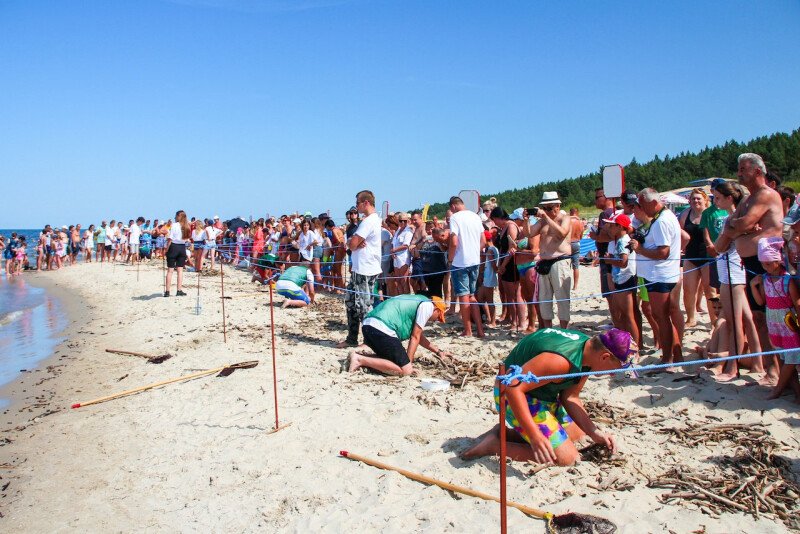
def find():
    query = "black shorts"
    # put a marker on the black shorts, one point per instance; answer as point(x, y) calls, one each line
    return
point(659, 287)
point(713, 275)
point(384, 346)
point(176, 255)
point(628, 285)
point(109, 248)
point(752, 268)
point(511, 274)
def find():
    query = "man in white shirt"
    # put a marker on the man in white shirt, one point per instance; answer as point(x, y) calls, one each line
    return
point(466, 242)
point(401, 259)
point(134, 233)
point(365, 245)
point(661, 271)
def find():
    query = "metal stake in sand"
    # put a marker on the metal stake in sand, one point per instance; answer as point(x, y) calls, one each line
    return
point(222, 298)
point(503, 515)
point(730, 295)
point(138, 262)
point(164, 270)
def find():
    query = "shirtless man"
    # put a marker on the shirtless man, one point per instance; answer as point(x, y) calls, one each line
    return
point(759, 215)
point(575, 235)
point(553, 227)
point(75, 243)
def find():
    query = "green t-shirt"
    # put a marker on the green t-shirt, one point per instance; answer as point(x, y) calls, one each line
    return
point(567, 343)
point(713, 220)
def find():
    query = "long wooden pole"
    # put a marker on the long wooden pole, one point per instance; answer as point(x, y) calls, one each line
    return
point(222, 288)
point(274, 366)
point(503, 501)
point(533, 512)
point(151, 386)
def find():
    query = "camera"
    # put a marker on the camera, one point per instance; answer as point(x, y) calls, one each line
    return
point(638, 236)
point(533, 212)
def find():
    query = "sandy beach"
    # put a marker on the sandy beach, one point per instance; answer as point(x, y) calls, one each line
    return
point(199, 455)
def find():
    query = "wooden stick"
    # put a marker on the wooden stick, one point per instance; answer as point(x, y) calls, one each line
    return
point(242, 365)
point(533, 512)
point(274, 367)
point(502, 410)
point(131, 353)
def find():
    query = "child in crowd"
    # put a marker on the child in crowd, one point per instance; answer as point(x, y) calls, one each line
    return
point(717, 345)
point(781, 294)
point(20, 255)
point(623, 273)
point(485, 296)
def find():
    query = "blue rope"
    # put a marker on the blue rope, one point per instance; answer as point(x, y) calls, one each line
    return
point(515, 371)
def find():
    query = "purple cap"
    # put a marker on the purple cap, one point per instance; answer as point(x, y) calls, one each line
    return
point(618, 342)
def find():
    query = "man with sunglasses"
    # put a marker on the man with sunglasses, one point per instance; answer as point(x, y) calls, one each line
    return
point(555, 272)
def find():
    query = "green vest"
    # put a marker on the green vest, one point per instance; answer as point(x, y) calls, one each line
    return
point(567, 343)
point(399, 313)
point(296, 274)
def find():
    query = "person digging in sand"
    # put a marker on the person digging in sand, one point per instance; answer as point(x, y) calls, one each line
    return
point(389, 324)
point(291, 283)
point(548, 417)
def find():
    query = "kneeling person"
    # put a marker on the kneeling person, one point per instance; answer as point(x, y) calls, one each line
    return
point(548, 417)
point(290, 285)
point(389, 324)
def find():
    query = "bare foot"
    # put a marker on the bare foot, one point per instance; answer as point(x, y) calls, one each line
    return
point(466, 333)
point(726, 377)
point(691, 324)
point(355, 361)
point(531, 329)
point(486, 445)
point(774, 394)
point(343, 345)
point(767, 380)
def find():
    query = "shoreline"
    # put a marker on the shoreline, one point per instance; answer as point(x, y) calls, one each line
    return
point(200, 455)
point(18, 392)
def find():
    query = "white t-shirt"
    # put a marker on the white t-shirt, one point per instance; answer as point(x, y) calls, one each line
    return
point(424, 312)
point(618, 248)
point(402, 238)
point(306, 240)
point(134, 234)
point(176, 235)
point(198, 235)
point(665, 230)
point(367, 260)
point(467, 226)
point(211, 235)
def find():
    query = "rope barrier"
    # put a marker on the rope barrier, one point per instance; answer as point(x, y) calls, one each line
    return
point(515, 371)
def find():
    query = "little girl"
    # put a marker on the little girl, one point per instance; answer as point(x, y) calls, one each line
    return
point(485, 294)
point(20, 255)
point(781, 294)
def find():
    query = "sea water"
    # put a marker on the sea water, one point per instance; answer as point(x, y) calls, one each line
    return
point(31, 323)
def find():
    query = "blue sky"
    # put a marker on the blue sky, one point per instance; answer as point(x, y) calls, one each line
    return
point(111, 109)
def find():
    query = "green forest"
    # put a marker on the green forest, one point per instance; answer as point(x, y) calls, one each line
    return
point(781, 153)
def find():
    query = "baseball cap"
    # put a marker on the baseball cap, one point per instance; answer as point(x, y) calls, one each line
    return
point(516, 214)
point(629, 196)
point(618, 342)
point(439, 304)
point(793, 215)
point(620, 219)
point(216, 217)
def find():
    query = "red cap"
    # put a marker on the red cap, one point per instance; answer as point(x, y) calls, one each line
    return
point(620, 219)
point(488, 235)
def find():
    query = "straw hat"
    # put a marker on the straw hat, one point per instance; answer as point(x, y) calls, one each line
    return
point(550, 197)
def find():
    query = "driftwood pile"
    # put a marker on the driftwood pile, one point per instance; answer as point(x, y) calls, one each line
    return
point(458, 372)
point(753, 479)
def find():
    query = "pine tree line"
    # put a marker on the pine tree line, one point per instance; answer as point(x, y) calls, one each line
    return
point(781, 153)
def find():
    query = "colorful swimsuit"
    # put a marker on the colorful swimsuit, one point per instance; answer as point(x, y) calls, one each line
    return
point(779, 303)
point(550, 417)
